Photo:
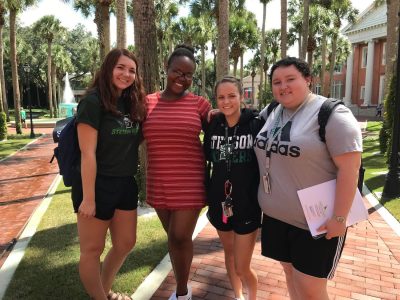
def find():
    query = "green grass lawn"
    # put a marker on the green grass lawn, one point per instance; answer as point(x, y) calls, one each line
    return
point(13, 143)
point(49, 269)
point(376, 168)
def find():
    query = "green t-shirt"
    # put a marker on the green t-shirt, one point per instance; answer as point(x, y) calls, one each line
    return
point(23, 114)
point(118, 137)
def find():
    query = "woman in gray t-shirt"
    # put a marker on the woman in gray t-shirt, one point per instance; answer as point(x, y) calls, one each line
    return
point(291, 157)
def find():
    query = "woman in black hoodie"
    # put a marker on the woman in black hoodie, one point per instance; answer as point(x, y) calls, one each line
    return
point(232, 189)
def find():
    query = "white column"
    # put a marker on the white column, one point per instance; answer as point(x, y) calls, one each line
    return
point(349, 78)
point(369, 74)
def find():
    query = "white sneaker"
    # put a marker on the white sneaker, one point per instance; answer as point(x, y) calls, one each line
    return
point(188, 296)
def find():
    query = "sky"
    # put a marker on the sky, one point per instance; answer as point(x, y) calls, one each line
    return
point(70, 18)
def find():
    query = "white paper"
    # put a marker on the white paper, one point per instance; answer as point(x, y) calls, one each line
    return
point(318, 203)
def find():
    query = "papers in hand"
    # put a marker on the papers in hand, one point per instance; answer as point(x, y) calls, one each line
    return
point(318, 202)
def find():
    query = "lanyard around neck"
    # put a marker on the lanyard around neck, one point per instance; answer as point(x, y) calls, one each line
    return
point(228, 145)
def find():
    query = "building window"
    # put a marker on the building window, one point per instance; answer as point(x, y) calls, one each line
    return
point(362, 93)
point(247, 95)
point(317, 89)
point(336, 91)
point(364, 54)
point(384, 54)
point(338, 68)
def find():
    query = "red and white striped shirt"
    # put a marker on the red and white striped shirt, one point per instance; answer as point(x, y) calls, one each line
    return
point(175, 172)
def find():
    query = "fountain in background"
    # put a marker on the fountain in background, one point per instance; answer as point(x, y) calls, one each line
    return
point(68, 105)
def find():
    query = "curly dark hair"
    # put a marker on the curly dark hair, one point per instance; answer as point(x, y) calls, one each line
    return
point(182, 50)
point(298, 63)
point(103, 86)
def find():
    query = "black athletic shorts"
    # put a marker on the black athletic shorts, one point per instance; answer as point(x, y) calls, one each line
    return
point(287, 243)
point(111, 193)
point(238, 225)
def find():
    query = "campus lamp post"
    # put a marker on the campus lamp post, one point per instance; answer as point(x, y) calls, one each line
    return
point(392, 183)
point(27, 69)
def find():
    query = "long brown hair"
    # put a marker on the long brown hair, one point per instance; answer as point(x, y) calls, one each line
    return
point(103, 86)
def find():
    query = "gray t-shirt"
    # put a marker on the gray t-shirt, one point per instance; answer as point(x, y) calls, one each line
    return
point(299, 159)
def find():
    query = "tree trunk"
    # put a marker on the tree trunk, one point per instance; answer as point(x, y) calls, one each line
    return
point(304, 34)
point(38, 97)
point(241, 67)
point(262, 50)
point(54, 91)
point(121, 23)
point(105, 20)
point(323, 64)
point(391, 40)
point(2, 78)
point(332, 64)
point(203, 70)
point(235, 63)
point(49, 84)
point(283, 28)
point(100, 32)
point(14, 70)
point(223, 39)
point(146, 48)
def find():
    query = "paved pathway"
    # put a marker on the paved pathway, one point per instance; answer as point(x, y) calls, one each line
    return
point(25, 179)
point(369, 267)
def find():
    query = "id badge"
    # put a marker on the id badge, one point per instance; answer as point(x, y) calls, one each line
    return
point(266, 183)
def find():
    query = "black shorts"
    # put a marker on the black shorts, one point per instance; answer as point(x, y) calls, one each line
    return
point(239, 224)
point(111, 193)
point(287, 243)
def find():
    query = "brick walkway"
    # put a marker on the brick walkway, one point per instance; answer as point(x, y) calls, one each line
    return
point(24, 181)
point(369, 267)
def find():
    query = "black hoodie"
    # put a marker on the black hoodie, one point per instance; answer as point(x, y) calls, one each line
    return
point(244, 173)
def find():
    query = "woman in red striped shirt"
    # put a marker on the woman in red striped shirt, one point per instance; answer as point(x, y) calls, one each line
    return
point(175, 177)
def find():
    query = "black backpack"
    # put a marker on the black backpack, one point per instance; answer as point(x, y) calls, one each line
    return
point(67, 152)
point(323, 117)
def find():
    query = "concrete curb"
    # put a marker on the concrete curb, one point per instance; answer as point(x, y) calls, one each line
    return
point(10, 265)
point(153, 281)
point(385, 214)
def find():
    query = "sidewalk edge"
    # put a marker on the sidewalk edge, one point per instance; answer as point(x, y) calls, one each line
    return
point(11, 263)
point(385, 214)
point(153, 281)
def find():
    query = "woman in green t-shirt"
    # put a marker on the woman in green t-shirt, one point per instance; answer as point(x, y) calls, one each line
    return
point(105, 195)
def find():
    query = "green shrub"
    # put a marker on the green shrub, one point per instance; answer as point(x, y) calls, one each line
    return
point(3, 126)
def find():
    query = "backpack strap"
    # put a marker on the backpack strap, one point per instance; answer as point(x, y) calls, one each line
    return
point(324, 113)
point(271, 107)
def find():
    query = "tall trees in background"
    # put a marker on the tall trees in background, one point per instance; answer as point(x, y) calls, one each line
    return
point(48, 27)
point(223, 39)
point(3, 94)
point(121, 13)
point(14, 7)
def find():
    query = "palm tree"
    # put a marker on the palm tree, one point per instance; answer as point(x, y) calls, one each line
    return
point(304, 34)
point(283, 28)
point(121, 23)
point(101, 10)
point(223, 39)
point(14, 7)
point(146, 42)
point(146, 45)
point(3, 95)
point(262, 50)
point(341, 9)
point(166, 12)
point(391, 39)
point(243, 35)
point(48, 27)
